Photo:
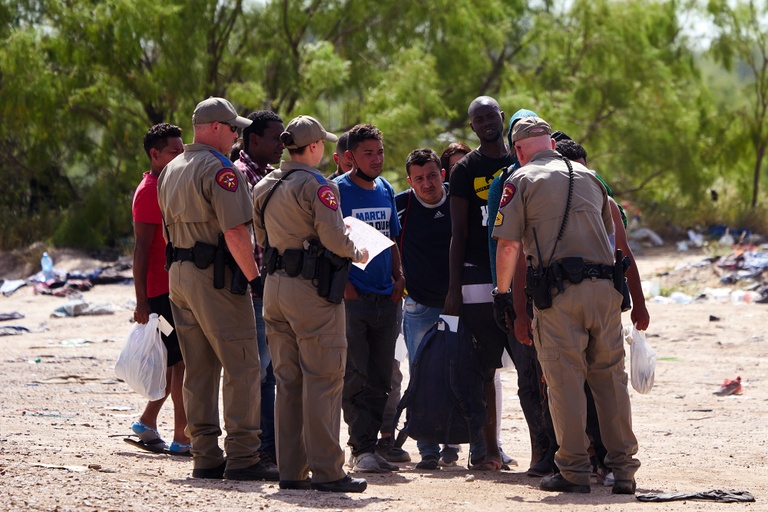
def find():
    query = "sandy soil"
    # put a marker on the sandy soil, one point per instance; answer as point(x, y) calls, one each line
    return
point(61, 403)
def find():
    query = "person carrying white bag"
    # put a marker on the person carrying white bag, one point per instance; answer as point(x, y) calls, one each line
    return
point(142, 362)
point(642, 360)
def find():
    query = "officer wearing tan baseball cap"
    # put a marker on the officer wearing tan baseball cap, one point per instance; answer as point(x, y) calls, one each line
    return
point(305, 130)
point(530, 127)
point(218, 110)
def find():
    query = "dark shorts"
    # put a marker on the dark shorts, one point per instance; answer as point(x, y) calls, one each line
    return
point(478, 317)
point(162, 306)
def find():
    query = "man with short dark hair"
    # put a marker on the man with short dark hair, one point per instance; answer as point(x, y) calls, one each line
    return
point(162, 143)
point(577, 308)
point(424, 241)
point(261, 149)
point(372, 300)
point(340, 158)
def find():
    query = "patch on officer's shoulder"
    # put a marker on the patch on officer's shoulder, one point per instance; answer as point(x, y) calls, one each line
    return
point(507, 195)
point(499, 219)
point(327, 197)
point(227, 179)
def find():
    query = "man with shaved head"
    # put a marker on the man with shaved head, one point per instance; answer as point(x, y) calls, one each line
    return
point(470, 282)
point(563, 221)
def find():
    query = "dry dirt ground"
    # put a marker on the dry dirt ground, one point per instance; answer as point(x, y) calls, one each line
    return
point(61, 403)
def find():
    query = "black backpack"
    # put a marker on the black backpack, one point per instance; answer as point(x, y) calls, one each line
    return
point(445, 399)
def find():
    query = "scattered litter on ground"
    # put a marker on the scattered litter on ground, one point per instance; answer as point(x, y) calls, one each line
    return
point(79, 342)
point(80, 308)
point(76, 469)
point(12, 330)
point(67, 379)
point(118, 408)
point(10, 316)
point(730, 387)
point(11, 285)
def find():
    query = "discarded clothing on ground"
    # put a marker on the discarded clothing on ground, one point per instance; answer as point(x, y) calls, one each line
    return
point(10, 316)
point(80, 308)
point(12, 330)
point(717, 495)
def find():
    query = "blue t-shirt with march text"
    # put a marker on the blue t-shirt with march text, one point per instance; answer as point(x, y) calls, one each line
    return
point(377, 208)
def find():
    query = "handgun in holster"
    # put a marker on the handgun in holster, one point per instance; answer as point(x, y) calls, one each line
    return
point(239, 282)
point(311, 255)
point(332, 275)
point(219, 262)
point(620, 268)
point(168, 255)
point(268, 262)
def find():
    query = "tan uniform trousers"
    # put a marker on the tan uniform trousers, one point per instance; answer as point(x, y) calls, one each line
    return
point(306, 336)
point(216, 330)
point(580, 338)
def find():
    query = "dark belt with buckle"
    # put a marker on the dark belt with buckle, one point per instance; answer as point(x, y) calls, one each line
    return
point(183, 254)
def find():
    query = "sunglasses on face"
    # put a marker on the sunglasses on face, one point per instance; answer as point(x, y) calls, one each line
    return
point(233, 129)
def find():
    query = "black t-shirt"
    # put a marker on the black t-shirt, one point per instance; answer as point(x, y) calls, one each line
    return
point(424, 241)
point(471, 178)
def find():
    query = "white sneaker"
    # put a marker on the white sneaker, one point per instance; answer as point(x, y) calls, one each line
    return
point(367, 463)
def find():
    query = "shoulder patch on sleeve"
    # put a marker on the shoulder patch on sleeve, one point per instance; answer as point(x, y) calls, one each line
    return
point(327, 197)
point(499, 219)
point(507, 195)
point(227, 179)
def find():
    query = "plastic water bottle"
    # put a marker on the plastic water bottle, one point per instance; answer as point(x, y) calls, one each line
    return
point(47, 263)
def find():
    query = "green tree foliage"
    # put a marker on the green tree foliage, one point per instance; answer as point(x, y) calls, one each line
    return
point(743, 41)
point(618, 77)
point(82, 80)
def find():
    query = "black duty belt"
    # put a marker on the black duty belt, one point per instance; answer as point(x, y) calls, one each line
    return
point(180, 254)
point(598, 271)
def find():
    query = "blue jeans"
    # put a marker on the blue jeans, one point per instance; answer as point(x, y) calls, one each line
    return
point(267, 436)
point(417, 320)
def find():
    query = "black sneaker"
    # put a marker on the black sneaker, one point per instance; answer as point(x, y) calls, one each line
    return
point(448, 456)
point(391, 453)
point(429, 462)
point(216, 473)
point(258, 471)
point(558, 483)
point(346, 484)
point(624, 487)
point(544, 467)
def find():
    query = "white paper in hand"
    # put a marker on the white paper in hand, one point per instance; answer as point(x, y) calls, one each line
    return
point(365, 235)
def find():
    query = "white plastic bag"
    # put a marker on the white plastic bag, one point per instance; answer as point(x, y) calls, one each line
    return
point(642, 360)
point(144, 359)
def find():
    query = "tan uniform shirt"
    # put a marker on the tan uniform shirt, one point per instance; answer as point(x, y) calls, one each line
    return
point(535, 197)
point(318, 214)
point(202, 194)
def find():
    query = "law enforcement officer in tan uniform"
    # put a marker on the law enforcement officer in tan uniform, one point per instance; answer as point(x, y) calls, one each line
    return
point(207, 213)
point(297, 220)
point(563, 220)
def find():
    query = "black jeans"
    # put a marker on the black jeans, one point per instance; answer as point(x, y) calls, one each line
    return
point(372, 330)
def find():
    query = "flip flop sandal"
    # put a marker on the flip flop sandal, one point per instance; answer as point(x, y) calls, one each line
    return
point(486, 465)
point(155, 445)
